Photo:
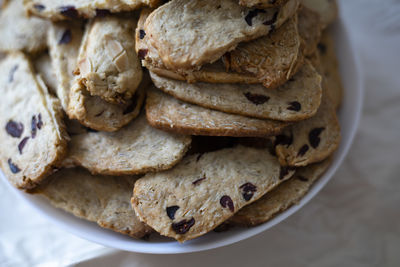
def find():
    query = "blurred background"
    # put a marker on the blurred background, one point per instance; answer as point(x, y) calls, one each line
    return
point(354, 221)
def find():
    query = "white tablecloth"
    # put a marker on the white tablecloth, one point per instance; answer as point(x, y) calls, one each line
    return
point(354, 221)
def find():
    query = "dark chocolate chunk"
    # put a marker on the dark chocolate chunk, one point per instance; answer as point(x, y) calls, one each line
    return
point(11, 74)
point(313, 136)
point(295, 106)
point(142, 34)
point(183, 226)
point(252, 13)
point(303, 150)
point(199, 180)
point(40, 122)
point(33, 126)
point(102, 12)
point(171, 211)
point(22, 144)
point(256, 99)
point(14, 168)
point(272, 21)
point(143, 53)
point(69, 11)
point(66, 37)
point(15, 129)
point(36, 124)
point(248, 190)
point(285, 171)
point(226, 201)
point(302, 178)
point(39, 7)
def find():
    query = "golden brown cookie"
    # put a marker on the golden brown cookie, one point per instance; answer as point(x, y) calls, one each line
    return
point(170, 114)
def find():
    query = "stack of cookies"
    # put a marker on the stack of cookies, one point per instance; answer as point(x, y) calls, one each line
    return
point(178, 118)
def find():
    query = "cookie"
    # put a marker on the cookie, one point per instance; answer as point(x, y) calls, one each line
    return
point(310, 28)
point(330, 69)
point(281, 198)
point(135, 149)
point(327, 9)
point(64, 40)
point(100, 199)
point(273, 59)
point(204, 190)
point(212, 73)
point(169, 114)
point(108, 65)
point(311, 140)
point(100, 115)
point(190, 33)
point(262, 3)
point(19, 32)
point(33, 139)
point(297, 99)
point(44, 67)
point(74, 9)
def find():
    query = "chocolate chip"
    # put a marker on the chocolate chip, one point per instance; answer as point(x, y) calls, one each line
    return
point(36, 124)
point(303, 150)
point(199, 180)
point(102, 13)
point(248, 190)
point(183, 226)
point(14, 129)
point(272, 20)
point(143, 53)
point(302, 178)
point(131, 107)
point(142, 34)
point(252, 13)
point(295, 106)
point(22, 144)
point(66, 37)
point(256, 99)
point(285, 171)
point(14, 168)
point(313, 136)
point(171, 211)
point(226, 201)
point(40, 122)
point(39, 7)
point(322, 48)
point(11, 74)
point(283, 140)
point(69, 11)
point(33, 126)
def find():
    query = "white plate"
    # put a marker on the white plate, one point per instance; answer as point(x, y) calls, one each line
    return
point(349, 117)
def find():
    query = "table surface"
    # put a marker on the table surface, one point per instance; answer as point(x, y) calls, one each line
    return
point(353, 221)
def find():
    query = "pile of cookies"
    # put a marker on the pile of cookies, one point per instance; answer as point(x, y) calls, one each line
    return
point(178, 117)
